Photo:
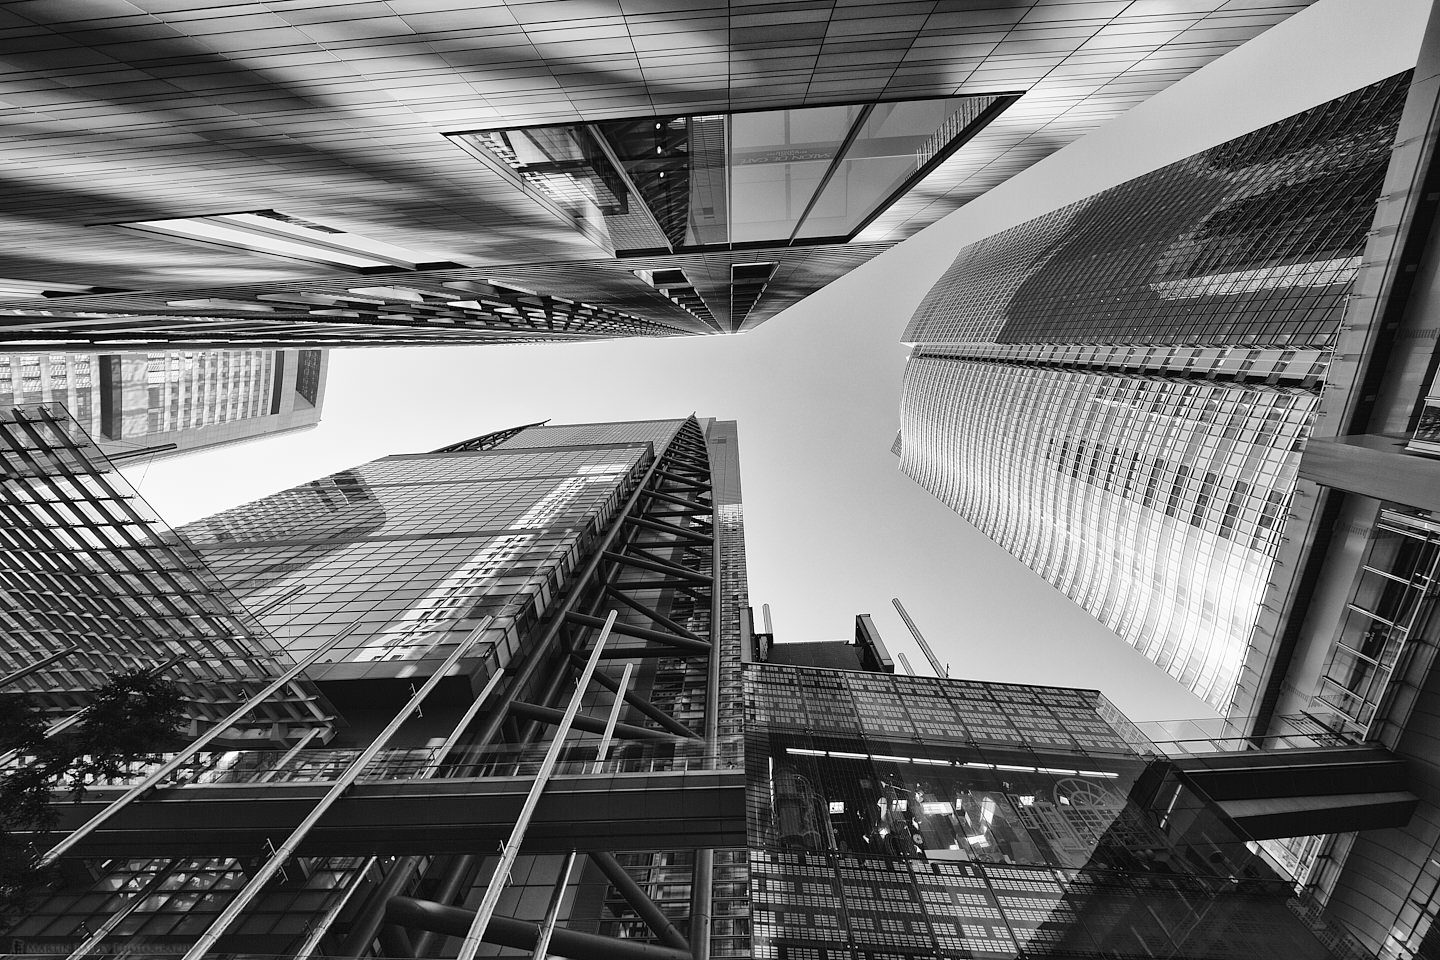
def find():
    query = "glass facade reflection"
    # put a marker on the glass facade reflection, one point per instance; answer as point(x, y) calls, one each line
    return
point(1156, 504)
point(814, 173)
point(1118, 392)
point(423, 547)
point(1022, 823)
point(1255, 241)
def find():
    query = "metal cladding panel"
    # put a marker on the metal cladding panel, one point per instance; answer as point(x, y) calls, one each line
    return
point(339, 116)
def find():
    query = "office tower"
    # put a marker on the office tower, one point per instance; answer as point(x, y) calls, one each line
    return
point(1355, 618)
point(307, 174)
point(1117, 392)
point(748, 805)
point(159, 404)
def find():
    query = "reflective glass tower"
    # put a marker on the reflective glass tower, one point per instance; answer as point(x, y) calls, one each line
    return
point(1117, 392)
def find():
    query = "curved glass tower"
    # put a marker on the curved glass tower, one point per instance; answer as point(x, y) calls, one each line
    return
point(1117, 392)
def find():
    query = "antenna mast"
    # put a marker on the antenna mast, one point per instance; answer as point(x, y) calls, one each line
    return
point(935, 665)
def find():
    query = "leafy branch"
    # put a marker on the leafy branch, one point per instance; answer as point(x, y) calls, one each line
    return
point(132, 718)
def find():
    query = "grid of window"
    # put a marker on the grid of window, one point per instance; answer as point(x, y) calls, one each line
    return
point(1253, 242)
point(408, 554)
point(1390, 608)
point(1156, 504)
point(826, 905)
point(84, 560)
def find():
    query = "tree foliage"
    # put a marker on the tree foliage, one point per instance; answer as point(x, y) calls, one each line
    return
point(132, 718)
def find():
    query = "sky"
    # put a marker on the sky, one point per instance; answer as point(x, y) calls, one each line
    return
point(832, 527)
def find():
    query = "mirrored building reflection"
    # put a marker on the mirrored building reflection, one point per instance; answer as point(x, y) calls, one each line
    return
point(1118, 392)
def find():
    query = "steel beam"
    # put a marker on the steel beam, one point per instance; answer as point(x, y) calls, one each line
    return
point(640, 900)
point(658, 566)
point(649, 651)
point(696, 506)
point(522, 935)
point(701, 485)
point(646, 707)
point(671, 528)
point(642, 633)
point(470, 943)
point(533, 711)
point(664, 621)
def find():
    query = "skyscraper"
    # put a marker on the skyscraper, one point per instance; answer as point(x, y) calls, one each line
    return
point(158, 404)
point(706, 802)
point(305, 174)
point(1118, 392)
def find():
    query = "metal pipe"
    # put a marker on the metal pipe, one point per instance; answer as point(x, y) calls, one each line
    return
point(547, 929)
point(536, 655)
point(642, 633)
point(467, 717)
point(290, 755)
point(470, 945)
point(614, 716)
point(640, 900)
point(327, 919)
point(905, 662)
point(701, 908)
point(372, 911)
point(395, 942)
point(24, 672)
point(647, 708)
point(935, 665)
point(282, 854)
point(118, 917)
point(533, 711)
point(194, 747)
point(508, 932)
point(456, 873)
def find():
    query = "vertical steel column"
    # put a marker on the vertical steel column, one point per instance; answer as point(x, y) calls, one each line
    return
point(470, 945)
point(552, 914)
point(701, 874)
point(282, 854)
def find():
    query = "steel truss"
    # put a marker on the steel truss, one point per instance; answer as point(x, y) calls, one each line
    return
point(656, 559)
point(655, 564)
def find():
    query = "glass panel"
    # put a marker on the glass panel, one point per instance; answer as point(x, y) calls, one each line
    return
point(894, 141)
point(777, 159)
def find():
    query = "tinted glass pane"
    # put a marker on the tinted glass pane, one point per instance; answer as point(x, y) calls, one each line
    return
point(895, 140)
point(777, 159)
